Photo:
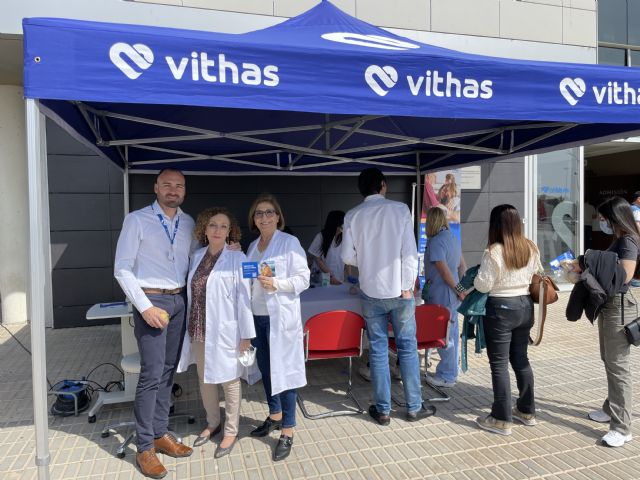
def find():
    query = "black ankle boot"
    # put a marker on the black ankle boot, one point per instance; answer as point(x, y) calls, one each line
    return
point(268, 426)
point(283, 448)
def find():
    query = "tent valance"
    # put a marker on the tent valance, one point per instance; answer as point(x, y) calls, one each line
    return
point(321, 92)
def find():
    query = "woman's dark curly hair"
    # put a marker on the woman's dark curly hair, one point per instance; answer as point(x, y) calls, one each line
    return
point(203, 219)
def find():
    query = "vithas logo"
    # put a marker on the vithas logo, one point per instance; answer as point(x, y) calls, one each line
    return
point(124, 55)
point(376, 74)
point(434, 83)
point(572, 89)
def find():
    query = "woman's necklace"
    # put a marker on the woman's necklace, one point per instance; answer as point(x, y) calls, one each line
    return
point(263, 244)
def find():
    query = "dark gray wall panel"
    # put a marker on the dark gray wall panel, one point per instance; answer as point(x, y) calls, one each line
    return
point(507, 176)
point(77, 174)
point(116, 211)
point(82, 286)
point(83, 249)
point(513, 198)
point(502, 182)
point(116, 183)
point(475, 207)
point(60, 142)
point(79, 211)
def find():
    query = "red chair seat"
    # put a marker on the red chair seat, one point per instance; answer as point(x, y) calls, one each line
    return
point(328, 335)
point(327, 354)
point(440, 343)
point(432, 330)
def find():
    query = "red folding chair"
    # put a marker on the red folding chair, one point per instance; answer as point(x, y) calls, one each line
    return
point(432, 331)
point(335, 334)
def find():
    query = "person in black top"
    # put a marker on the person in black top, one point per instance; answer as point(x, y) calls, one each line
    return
point(616, 219)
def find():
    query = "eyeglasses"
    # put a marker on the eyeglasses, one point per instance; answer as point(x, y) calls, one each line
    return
point(215, 226)
point(267, 213)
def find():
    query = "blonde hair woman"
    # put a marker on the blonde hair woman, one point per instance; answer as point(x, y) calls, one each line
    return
point(444, 265)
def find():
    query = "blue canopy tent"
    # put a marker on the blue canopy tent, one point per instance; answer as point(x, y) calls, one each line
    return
point(319, 93)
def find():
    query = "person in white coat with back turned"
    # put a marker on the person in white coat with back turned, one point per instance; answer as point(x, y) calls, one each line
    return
point(220, 323)
point(275, 302)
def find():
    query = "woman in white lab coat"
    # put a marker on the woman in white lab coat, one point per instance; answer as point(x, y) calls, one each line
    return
point(219, 323)
point(275, 301)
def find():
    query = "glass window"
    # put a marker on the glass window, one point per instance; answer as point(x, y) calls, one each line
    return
point(635, 58)
point(612, 56)
point(633, 22)
point(558, 197)
point(612, 21)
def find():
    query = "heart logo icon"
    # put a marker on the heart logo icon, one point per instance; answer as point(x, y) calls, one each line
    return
point(375, 74)
point(572, 89)
point(140, 55)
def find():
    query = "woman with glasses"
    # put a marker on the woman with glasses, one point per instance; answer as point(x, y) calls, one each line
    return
point(325, 248)
point(275, 304)
point(220, 323)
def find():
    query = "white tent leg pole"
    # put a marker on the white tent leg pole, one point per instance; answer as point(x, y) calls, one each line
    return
point(37, 164)
point(418, 195)
point(125, 180)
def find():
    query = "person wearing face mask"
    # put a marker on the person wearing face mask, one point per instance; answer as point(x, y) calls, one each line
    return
point(607, 275)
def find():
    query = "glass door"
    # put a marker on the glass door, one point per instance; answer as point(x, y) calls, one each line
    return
point(557, 210)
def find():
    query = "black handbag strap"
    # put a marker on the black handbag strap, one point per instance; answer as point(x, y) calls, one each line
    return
point(622, 307)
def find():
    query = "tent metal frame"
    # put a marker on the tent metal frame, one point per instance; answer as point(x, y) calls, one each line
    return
point(331, 154)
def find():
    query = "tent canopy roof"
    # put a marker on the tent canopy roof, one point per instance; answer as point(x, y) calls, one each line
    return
point(321, 92)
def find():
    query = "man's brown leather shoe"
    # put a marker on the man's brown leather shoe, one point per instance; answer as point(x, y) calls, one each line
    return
point(149, 464)
point(168, 445)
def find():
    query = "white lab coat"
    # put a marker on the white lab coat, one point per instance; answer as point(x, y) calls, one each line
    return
point(285, 333)
point(228, 317)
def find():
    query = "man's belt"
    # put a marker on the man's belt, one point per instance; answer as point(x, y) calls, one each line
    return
point(163, 291)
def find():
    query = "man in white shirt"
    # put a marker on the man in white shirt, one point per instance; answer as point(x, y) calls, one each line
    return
point(151, 265)
point(378, 238)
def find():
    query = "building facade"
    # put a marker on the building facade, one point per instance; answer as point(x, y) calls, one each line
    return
point(85, 191)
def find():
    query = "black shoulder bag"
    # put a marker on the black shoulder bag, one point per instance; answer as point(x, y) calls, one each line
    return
point(631, 329)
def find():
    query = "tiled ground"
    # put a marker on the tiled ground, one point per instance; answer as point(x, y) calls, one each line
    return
point(569, 382)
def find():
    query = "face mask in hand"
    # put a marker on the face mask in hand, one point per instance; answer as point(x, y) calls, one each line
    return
point(604, 226)
point(247, 357)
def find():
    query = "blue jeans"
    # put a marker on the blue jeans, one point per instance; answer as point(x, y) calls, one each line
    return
point(284, 402)
point(447, 368)
point(401, 313)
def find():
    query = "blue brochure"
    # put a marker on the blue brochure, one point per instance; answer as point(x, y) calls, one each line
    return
point(249, 269)
point(556, 263)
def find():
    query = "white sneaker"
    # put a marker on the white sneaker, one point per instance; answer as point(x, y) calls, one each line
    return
point(439, 382)
point(365, 373)
point(599, 416)
point(614, 438)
